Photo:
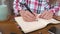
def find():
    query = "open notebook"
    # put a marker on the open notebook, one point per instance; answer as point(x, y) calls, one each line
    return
point(32, 26)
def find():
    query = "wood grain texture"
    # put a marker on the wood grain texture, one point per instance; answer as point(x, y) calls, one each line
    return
point(10, 26)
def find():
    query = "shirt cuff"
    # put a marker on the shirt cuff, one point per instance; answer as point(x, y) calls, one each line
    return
point(54, 10)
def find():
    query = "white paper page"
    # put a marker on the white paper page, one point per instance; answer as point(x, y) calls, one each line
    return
point(32, 26)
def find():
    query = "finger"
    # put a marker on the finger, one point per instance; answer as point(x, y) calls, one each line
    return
point(30, 14)
point(45, 16)
point(48, 15)
point(26, 19)
point(35, 14)
point(26, 16)
point(39, 16)
point(22, 12)
point(29, 18)
point(42, 15)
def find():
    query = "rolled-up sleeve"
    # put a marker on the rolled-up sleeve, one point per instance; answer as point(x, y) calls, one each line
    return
point(16, 6)
point(55, 9)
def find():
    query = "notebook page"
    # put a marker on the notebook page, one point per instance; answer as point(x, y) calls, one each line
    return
point(35, 25)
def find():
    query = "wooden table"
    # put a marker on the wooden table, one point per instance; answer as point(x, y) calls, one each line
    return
point(10, 26)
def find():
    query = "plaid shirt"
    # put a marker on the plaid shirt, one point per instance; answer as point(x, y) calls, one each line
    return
point(37, 6)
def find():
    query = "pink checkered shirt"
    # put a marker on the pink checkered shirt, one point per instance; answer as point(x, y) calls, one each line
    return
point(37, 6)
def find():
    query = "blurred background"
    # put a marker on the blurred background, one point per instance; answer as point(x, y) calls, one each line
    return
point(10, 5)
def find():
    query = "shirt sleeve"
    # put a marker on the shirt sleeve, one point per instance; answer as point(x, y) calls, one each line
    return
point(55, 9)
point(16, 6)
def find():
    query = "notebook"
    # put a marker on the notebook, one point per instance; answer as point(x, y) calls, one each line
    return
point(35, 25)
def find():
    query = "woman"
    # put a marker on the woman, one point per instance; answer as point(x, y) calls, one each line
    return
point(46, 8)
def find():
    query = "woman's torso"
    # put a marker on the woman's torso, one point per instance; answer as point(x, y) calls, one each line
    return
point(37, 6)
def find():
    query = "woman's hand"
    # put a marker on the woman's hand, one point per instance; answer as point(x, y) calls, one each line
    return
point(27, 16)
point(47, 15)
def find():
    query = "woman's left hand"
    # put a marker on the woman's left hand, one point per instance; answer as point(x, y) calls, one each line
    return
point(47, 15)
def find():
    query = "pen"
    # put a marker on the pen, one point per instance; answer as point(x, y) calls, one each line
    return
point(26, 7)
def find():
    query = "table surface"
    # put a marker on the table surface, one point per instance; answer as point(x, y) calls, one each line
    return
point(10, 26)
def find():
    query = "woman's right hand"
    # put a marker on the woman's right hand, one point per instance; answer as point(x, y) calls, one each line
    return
point(27, 16)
